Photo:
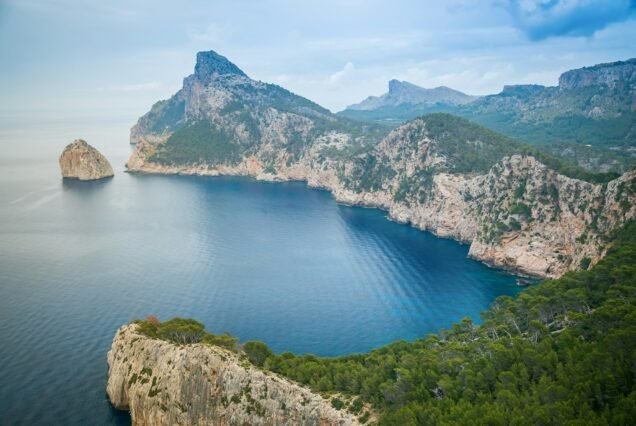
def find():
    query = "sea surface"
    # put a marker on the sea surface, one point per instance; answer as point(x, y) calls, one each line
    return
point(276, 262)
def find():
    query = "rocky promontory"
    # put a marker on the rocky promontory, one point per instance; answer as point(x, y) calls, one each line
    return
point(81, 161)
point(517, 207)
point(164, 383)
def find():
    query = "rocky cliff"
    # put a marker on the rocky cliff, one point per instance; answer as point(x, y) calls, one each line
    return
point(162, 383)
point(610, 74)
point(439, 173)
point(81, 161)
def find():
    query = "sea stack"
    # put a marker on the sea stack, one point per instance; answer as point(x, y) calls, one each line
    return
point(81, 161)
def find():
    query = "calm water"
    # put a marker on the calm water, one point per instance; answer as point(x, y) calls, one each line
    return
point(274, 262)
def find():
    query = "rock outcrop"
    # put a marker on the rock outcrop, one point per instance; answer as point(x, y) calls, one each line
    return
point(439, 173)
point(81, 161)
point(610, 74)
point(162, 383)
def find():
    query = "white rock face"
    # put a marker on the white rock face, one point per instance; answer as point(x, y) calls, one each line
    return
point(81, 161)
point(162, 383)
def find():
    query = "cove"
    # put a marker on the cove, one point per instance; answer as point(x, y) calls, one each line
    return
point(276, 262)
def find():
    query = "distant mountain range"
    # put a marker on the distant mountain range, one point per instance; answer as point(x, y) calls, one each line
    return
point(405, 93)
point(590, 117)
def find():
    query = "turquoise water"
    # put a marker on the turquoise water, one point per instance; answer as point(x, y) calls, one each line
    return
point(274, 262)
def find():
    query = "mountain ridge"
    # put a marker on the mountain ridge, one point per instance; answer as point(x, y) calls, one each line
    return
point(438, 173)
point(403, 92)
point(589, 118)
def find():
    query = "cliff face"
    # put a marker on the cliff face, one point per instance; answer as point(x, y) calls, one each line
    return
point(162, 383)
point(609, 75)
point(439, 173)
point(81, 161)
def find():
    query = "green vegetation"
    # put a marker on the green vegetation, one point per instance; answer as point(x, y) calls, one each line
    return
point(467, 146)
point(257, 352)
point(471, 147)
point(536, 115)
point(198, 142)
point(184, 331)
point(337, 403)
point(165, 115)
point(562, 352)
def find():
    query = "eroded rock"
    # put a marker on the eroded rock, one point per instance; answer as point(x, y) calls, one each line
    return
point(81, 161)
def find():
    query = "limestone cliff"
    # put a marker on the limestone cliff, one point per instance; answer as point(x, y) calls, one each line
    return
point(81, 161)
point(439, 173)
point(162, 383)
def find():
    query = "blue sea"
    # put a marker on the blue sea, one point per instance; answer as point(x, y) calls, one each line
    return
point(276, 262)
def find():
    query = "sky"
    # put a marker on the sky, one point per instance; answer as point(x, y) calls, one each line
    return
point(116, 58)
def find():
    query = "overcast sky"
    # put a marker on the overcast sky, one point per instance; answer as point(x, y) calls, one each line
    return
point(119, 57)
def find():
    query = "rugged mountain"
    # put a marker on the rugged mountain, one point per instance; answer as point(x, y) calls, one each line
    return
point(221, 116)
point(440, 173)
point(590, 117)
point(163, 383)
point(81, 161)
point(405, 93)
point(405, 101)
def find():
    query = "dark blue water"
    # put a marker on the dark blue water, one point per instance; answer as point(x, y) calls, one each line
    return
point(275, 262)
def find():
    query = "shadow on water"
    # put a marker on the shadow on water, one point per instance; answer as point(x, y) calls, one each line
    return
point(87, 186)
point(118, 417)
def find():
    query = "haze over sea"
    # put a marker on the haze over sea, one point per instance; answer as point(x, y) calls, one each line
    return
point(274, 262)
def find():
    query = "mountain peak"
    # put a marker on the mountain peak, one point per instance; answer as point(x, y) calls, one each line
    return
point(403, 92)
point(396, 86)
point(211, 63)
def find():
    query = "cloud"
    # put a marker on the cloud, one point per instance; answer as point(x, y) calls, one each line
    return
point(213, 33)
point(541, 19)
point(337, 77)
point(138, 87)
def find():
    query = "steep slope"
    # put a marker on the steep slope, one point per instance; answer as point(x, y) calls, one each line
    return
point(221, 115)
point(162, 383)
point(440, 173)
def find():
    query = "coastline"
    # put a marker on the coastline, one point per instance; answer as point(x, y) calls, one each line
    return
point(203, 171)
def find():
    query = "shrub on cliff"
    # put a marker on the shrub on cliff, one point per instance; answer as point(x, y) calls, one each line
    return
point(181, 330)
point(257, 352)
point(184, 331)
point(225, 340)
